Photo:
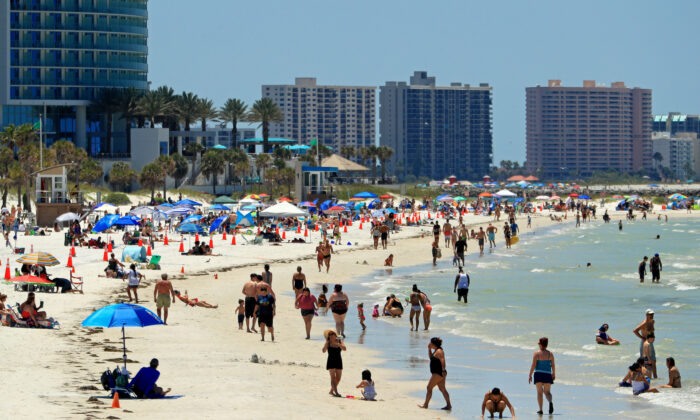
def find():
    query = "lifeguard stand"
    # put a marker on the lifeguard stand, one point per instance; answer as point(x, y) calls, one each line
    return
point(52, 197)
point(312, 182)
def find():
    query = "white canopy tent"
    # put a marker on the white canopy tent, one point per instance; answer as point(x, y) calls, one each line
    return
point(506, 193)
point(283, 209)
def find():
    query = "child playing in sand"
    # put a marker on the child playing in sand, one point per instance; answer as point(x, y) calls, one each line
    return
point(361, 314)
point(241, 313)
point(389, 262)
point(375, 313)
point(367, 385)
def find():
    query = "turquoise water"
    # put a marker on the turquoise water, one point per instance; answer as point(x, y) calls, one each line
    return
point(541, 287)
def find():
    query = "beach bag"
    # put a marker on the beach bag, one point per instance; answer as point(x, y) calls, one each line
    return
point(439, 253)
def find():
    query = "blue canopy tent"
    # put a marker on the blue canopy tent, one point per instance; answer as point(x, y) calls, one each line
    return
point(217, 222)
point(100, 205)
point(187, 202)
point(193, 218)
point(365, 194)
point(326, 205)
point(584, 197)
point(127, 221)
point(245, 219)
point(105, 223)
point(218, 207)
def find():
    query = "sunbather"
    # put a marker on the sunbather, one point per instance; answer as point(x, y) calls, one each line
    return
point(194, 302)
point(29, 310)
point(144, 383)
point(4, 312)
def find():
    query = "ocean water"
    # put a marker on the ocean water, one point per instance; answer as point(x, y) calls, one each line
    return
point(542, 287)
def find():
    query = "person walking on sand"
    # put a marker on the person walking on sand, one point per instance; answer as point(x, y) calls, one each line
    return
point(642, 269)
point(447, 231)
point(250, 290)
point(306, 302)
point(438, 373)
point(267, 275)
point(327, 250)
point(545, 372)
point(480, 236)
point(298, 282)
point(461, 285)
point(334, 364)
point(496, 402)
point(265, 308)
point(161, 296)
point(339, 304)
point(134, 278)
point(655, 267)
point(417, 302)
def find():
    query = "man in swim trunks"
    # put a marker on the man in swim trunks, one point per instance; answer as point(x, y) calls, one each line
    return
point(161, 296)
point(480, 237)
point(298, 282)
point(642, 269)
point(447, 230)
point(655, 267)
point(496, 402)
point(643, 330)
point(491, 233)
point(460, 248)
point(417, 301)
point(327, 250)
point(250, 290)
point(461, 285)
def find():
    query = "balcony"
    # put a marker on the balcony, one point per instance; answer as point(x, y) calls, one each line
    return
point(138, 9)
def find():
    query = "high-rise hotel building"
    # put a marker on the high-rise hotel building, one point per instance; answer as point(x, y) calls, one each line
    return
point(58, 54)
point(336, 116)
point(436, 131)
point(581, 130)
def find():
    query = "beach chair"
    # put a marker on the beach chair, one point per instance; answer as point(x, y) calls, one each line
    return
point(154, 264)
point(76, 282)
point(15, 320)
point(258, 240)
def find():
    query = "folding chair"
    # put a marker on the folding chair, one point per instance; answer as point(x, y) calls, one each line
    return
point(76, 282)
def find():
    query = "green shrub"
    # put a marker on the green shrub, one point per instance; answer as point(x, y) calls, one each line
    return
point(117, 198)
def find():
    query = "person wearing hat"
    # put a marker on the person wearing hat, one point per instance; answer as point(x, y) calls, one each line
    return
point(144, 383)
point(334, 365)
point(655, 267)
point(644, 329)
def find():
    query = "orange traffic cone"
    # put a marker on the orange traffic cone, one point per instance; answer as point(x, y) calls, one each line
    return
point(216, 276)
point(115, 400)
point(284, 234)
point(196, 237)
point(277, 231)
point(148, 251)
point(223, 238)
point(360, 225)
point(72, 270)
point(316, 229)
point(182, 246)
point(306, 232)
point(165, 241)
point(109, 246)
point(7, 270)
point(105, 257)
point(140, 242)
point(72, 251)
point(70, 261)
point(211, 243)
point(299, 229)
point(233, 239)
point(182, 270)
point(345, 229)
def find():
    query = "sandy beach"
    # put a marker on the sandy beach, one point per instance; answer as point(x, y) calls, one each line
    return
point(203, 355)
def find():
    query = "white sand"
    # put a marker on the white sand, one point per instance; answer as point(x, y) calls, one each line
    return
point(203, 356)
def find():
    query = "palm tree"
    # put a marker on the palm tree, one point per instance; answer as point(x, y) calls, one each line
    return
point(347, 151)
point(232, 157)
point(121, 176)
point(187, 110)
point(16, 136)
point(107, 103)
point(154, 105)
point(212, 166)
point(262, 162)
point(128, 107)
point(180, 168)
point(287, 177)
point(241, 169)
point(658, 158)
point(150, 177)
point(384, 153)
point(6, 159)
point(207, 112)
point(234, 110)
point(265, 111)
point(169, 119)
point(193, 150)
point(167, 164)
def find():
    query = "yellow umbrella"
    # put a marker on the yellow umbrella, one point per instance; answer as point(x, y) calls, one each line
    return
point(38, 258)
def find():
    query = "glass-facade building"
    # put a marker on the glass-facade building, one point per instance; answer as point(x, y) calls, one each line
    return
point(675, 122)
point(436, 131)
point(58, 54)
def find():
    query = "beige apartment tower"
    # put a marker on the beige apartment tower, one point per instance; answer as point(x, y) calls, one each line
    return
point(576, 131)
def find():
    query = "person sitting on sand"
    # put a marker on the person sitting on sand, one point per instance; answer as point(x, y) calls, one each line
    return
point(114, 267)
point(639, 382)
point(194, 302)
point(389, 262)
point(367, 386)
point(144, 383)
point(496, 402)
point(674, 376)
point(4, 312)
point(29, 310)
point(603, 338)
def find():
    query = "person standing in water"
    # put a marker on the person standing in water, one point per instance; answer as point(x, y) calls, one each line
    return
point(545, 373)
point(642, 269)
point(480, 238)
point(642, 331)
point(619, 225)
point(298, 282)
point(655, 267)
point(438, 373)
point(461, 285)
point(417, 300)
point(491, 233)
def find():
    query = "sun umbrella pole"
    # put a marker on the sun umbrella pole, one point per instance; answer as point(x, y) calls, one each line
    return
point(124, 344)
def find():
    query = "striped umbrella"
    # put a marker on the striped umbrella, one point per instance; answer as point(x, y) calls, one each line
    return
point(38, 258)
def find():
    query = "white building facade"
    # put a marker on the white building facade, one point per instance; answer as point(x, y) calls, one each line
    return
point(678, 152)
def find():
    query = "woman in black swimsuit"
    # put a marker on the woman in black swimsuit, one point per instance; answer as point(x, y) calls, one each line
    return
point(334, 364)
point(298, 282)
point(438, 373)
point(339, 303)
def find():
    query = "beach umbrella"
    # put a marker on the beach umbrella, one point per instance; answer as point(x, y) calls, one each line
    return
point(126, 221)
point(159, 216)
point(617, 197)
point(223, 199)
point(386, 197)
point(179, 210)
point(38, 258)
point(105, 223)
point(365, 194)
point(506, 193)
point(573, 195)
point(677, 196)
point(104, 207)
point(485, 194)
point(335, 210)
point(219, 147)
point(460, 198)
point(542, 197)
point(249, 208)
point(555, 197)
point(357, 199)
point(307, 204)
point(67, 217)
point(264, 195)
point(584, 197)
point(122, 315)
point(187, 202)
point(190, 228)
point(142, 211)
point(193, 218)
point(446, 199)
point(218, 207)
point(252, 197)
point(27, 279)
point(284, 199)
point(217, 222)
point(653, 185)
point(165, 206)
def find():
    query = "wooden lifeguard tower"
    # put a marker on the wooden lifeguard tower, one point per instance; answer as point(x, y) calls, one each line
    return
point(52, 197)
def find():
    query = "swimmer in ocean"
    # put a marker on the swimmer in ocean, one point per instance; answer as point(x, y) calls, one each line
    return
point(619, 225)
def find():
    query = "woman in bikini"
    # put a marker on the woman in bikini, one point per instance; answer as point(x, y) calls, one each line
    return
point(339, 303)
point(194, 302)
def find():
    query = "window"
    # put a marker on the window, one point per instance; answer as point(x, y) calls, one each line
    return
point(163, 148)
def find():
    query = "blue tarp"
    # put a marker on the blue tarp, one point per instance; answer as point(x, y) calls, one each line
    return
point(244, 219)
point(105, 223)
point(135, 252)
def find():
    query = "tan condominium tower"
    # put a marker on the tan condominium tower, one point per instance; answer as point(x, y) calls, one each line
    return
point(336, 116)
point(576, 131)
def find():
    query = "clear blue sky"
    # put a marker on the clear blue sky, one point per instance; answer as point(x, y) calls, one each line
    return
point(226, 49)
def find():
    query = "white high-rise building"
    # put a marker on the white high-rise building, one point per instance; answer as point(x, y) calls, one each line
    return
point(335, 115)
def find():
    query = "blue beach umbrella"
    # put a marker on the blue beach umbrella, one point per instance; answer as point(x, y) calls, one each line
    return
point(217, 222)
point(193, 218)
point(190, 228)
point(187, 202)
point(219, 207)
point(365, 194)
point(219, 147)
point(105, 223)
point(584, 197)
point(122, 315)
point(127, 221)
